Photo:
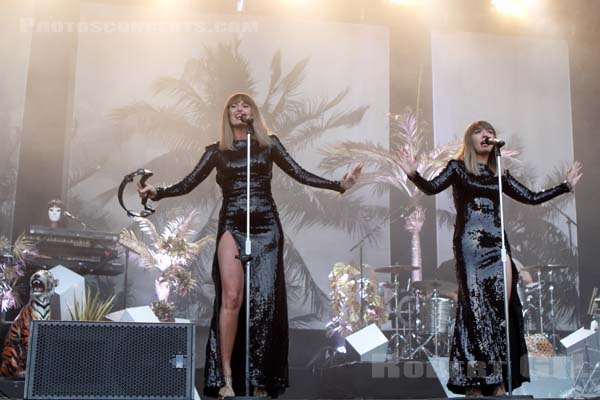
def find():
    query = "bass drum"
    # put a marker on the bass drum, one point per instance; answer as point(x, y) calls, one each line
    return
point(436, 316)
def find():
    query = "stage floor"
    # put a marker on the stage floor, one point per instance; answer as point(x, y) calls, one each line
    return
point(552, 378)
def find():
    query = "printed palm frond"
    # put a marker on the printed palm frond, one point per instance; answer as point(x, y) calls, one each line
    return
point(144, 256)
point(300, 286)
point(302, 207)
point(166, 123)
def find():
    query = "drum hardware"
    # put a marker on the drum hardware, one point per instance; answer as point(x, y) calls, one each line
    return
point(395, 269)
point(396, 337)
point(405, 337)
point(539, 287)
point(539, 268)
point(436, 330)
point(552, 315)
point(442, 288)
point(402, 341)
point(528, 295)
point(528, 311)
point(595, 312)
point(540, 302)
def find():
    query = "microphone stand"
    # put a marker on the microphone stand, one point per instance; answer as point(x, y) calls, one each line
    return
point(570, 222)
point(246, 259)
point(504, 258)
point(77, 219)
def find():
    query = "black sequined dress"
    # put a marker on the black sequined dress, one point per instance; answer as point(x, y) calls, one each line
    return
point(269, 321)
point(478, 346)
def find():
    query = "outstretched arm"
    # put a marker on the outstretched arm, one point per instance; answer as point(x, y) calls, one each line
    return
point(442, 181)
point(282, 158)
point(519, 192)
point(437, 184)
point(201, 171)
point(516, 190)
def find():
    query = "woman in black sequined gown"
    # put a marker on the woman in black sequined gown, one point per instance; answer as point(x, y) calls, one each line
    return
point(478, 346)
point(225, 350)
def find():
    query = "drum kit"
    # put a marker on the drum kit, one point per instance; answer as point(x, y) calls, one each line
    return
point(423, 312)
point(422, 315)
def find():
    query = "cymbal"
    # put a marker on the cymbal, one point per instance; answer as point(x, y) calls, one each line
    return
point(389, 285)
point(393, 285)
point(431, 285)
point(550, 267)
point(394, 269)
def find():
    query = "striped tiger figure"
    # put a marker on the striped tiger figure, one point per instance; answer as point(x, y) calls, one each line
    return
point(14, 355)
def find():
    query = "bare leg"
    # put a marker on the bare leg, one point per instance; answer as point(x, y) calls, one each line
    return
point(473, 391)
point(499, 390)
point(232, 293)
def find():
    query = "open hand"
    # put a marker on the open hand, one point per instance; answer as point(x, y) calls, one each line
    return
point(406, 162)
point(574, 174)
point(350, 179)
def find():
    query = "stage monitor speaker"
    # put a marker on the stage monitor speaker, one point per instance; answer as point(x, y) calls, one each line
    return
point(370, 344)
point(110, 360)
point(583, 345)
point(134, 314)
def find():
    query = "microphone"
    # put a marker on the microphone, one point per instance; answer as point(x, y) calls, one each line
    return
point(494, 142)
point(247, 120)
point(68, 214)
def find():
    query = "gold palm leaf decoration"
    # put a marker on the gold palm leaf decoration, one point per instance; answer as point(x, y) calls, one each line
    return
point(171, 253)
point(346, 298)
point(174, 246)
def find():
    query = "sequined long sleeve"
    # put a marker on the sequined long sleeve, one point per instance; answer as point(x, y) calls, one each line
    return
point(282, 158)
point(440, 182)
point(201, 171)
point(516, 190)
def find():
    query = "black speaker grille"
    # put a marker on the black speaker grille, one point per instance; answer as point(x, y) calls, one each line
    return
point(86, 360)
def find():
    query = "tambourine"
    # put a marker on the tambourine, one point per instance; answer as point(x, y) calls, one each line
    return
point(145, 174)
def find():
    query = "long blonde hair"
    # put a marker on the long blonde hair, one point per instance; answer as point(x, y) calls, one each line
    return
point(467, 152)
point(261, 132)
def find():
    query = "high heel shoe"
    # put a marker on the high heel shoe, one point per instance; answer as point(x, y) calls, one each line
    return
point(260, 392)
point(227, 390)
